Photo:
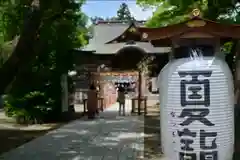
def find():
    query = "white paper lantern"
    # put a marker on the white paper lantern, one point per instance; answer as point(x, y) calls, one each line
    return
point(162, 79)
point(197, 109)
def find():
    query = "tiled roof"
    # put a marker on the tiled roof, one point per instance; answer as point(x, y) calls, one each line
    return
point(105, 31)
point(113, 48)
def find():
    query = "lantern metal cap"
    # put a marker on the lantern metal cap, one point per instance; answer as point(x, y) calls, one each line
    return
point(196, 12)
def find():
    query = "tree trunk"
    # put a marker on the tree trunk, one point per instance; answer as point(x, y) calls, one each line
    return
point(24, 50)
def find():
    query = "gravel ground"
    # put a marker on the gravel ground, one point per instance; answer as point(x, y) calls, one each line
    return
point(152, 146)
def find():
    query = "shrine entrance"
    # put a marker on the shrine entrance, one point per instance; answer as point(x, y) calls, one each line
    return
point(127, 58)
point(109, 81)
point(124, 62)
point(124, 72)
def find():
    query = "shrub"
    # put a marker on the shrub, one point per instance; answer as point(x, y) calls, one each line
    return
point(33, 107)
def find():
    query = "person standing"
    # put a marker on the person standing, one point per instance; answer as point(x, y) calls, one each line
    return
point(92, 103)
point(121, 100)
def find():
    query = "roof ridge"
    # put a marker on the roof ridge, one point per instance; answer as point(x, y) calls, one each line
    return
point(119, 21)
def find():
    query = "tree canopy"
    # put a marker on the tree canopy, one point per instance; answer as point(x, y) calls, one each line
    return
point(124, 13)
point(36, 42)
point(175, 11)
point(38, 28)
point(168, 12)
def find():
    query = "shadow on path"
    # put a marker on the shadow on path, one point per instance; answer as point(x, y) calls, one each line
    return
point(12, 138)
point(108, 137)
point(152, 144)
point(237, 135)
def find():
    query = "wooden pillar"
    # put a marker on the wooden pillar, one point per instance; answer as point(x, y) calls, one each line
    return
point(218, 52)
point(64, 86)
point(139, 90)
point(237, 77)
point(171, 53)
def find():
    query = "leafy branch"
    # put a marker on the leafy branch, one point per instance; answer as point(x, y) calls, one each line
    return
point(144, 65)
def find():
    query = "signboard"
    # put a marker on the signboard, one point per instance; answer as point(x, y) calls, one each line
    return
point(199, 110)
point(121, 78)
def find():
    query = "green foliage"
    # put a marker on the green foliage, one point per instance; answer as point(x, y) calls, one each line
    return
point(226, 48)
point(6, 49)
point(166, 15)
point(33, 107)
point(36, 90)
point(175, 11)
point(145, 64)
point(170, 12)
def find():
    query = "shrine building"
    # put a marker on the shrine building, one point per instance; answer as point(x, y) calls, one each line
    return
point(115, 49)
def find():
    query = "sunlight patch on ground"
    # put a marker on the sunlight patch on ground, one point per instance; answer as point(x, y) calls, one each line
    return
point(84, 121)
point(116, 121)
point(68, 152)
point(59, 136)
point(78, 158)
point(34, 127)
point(79, 132)
point(121, 136)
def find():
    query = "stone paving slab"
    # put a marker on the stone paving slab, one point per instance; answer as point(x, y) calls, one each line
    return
point(110, 137)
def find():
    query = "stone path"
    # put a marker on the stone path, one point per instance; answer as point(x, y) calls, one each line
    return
point(110, 137)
